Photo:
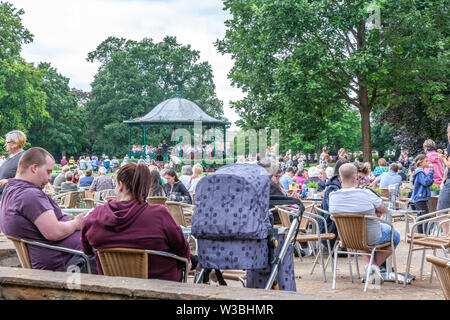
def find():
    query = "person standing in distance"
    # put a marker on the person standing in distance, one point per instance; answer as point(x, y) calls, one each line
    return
point(14, 142)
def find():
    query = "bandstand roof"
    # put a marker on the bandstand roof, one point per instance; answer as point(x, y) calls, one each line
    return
point(175, 110)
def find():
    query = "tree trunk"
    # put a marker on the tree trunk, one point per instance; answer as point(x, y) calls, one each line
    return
point(363, 97)
point(365, 131)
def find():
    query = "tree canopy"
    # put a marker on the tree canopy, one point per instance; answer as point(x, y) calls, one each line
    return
point(21, 100)
point(315, 55)
point(62, 131)
point(134, 77)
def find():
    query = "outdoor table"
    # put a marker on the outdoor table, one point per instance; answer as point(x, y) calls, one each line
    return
point(388, 275)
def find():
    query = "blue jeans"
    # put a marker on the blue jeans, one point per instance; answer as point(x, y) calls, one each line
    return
point(386, 232)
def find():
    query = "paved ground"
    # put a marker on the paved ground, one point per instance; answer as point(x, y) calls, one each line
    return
point(417, 290)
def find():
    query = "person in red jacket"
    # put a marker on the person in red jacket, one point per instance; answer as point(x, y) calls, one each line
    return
point(130, 222)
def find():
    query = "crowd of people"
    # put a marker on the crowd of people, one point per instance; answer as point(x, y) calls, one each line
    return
point(28, 211)
point(351, 187)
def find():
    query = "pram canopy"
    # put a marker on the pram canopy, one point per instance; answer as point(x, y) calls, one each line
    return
point(232, 203)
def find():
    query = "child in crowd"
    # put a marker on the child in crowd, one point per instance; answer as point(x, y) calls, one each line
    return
point(422, 182)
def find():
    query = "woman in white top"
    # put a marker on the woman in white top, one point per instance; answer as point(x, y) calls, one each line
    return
point(195, 178)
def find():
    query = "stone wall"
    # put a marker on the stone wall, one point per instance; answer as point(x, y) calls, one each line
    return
point(18, 283)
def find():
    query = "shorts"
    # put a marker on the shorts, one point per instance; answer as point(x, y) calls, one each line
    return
point(386, 232)
point(444, 197)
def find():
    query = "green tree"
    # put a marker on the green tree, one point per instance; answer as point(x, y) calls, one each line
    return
point(383, 137)
point(413, 123)
point(62, 131)
point(312, 54)
point(21, 100)
point(133, 78)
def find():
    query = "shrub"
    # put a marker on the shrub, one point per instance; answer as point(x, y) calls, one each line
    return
point(312, 185)
point(434, 187)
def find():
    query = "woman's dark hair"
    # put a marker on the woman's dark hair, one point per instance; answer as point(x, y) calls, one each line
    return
point(137, 180)
point(157, 188)
point(338, 164)
point(88, 172)
point(172, 173)
point(300, 172)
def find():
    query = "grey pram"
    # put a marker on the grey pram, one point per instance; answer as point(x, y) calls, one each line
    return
point(234, 228)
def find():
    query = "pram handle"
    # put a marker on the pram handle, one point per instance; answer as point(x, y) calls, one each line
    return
point(276, 200)
point(275, 262)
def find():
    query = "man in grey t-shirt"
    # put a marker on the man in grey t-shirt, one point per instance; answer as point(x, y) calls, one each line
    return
point(350, 199)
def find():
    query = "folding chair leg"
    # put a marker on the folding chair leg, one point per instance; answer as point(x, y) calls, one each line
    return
point(313, 250)
point(350, 257)
point(408, 262)
point(335, 264)
point(369, 267)
point(421, 264)
point(298, 249)
point(314, 264)
point(357, 267)
point(431, 272)
point(445, 251)
point(394, 258)
point(323, 263)
point(330, 254)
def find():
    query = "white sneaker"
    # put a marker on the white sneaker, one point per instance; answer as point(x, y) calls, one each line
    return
point(374, 275)
point(377, 278)
point(371, 274)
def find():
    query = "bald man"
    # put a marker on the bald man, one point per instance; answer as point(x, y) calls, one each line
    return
point(350, 199)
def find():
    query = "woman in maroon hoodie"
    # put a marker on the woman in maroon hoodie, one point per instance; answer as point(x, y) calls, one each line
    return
point(130, 222)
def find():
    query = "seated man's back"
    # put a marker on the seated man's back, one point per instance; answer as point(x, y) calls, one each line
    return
point(69, 186)
point(86, 181)
point(359, 201)
point(59, 180)
point(102, 183)
point(388, 178)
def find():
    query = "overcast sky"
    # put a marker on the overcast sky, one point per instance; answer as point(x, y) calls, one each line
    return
point(65, 31)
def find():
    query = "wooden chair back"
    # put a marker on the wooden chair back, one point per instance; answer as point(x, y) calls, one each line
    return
point(442, 267)
point(70, 200)
point(22, 252)
point(176, 211)
point(89, 203)
point(284, 217)
point(285, 211)
point(157, 200)
point(309, 208)
point(352, 231)
point(124, 262)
